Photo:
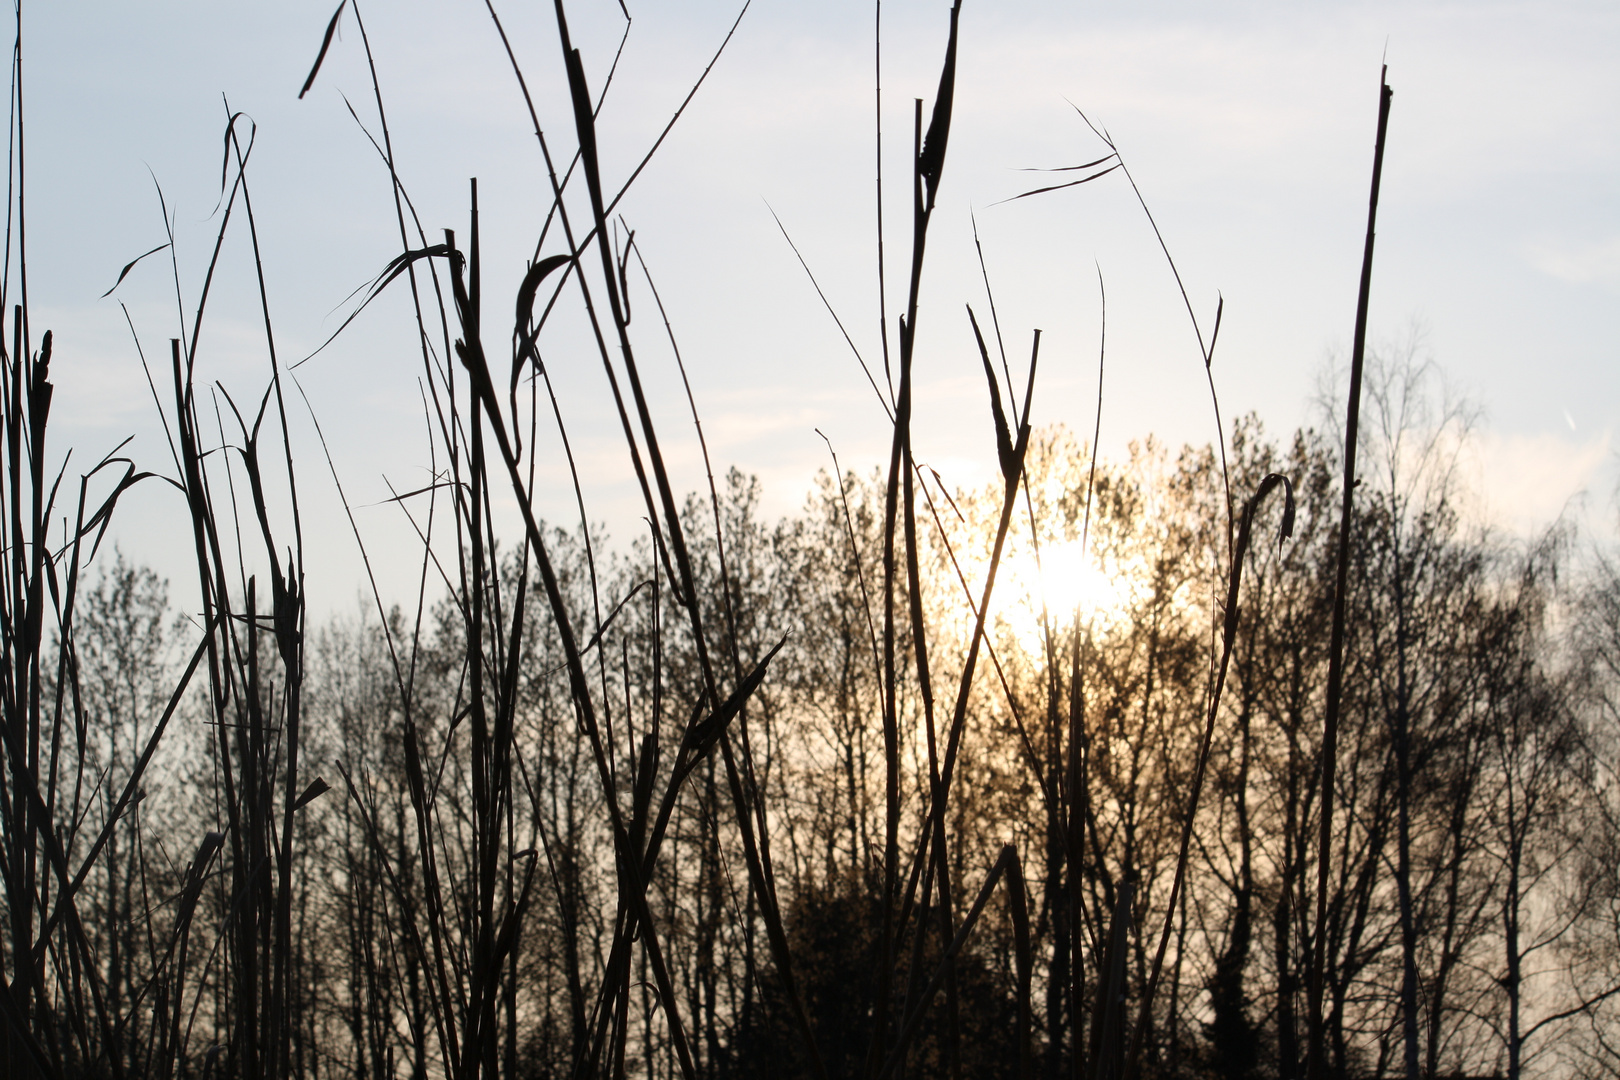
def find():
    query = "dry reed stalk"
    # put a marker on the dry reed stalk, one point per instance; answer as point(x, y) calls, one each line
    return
point(1316, 1054)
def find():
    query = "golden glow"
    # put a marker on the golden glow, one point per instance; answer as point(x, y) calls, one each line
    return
point(1067, 581)
point(1071, 580)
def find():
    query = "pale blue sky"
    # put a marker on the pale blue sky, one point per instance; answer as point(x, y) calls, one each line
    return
point(1248, 126)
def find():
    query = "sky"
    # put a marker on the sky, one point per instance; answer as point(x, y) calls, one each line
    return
point(1248, 128)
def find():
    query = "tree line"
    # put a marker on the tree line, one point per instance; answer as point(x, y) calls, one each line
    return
point(1472, 920)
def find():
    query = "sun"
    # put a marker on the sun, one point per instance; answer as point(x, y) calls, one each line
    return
point(1064, 583)
point(1071, 581)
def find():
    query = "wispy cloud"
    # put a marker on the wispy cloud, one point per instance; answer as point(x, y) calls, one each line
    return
point(1526, 481)
point(1578, 261)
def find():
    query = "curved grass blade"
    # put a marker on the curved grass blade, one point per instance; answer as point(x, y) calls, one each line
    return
point(1060, 187)
point(326, 43)
point(1004, 446)
point(1073, 168)
point(525, 305)
point(931, 162)
point(700, 737)
point(396, 266)
point(887, 411)
point(124, 273)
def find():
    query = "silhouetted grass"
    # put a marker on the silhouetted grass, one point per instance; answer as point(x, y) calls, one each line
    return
point(463, 875)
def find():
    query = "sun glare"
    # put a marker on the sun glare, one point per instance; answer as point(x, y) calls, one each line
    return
point(1072, 580)
point(1067, 581)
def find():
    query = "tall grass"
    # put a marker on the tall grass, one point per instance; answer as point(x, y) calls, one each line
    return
point(464, 872)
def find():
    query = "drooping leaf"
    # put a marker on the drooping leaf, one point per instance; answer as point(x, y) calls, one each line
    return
point(1004, 446)
point(701, 736)
point(1286, 530)
point(525, 304)
point(396, 266)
